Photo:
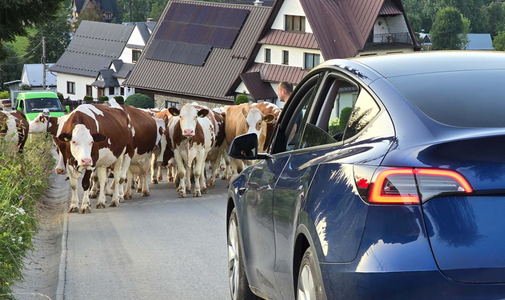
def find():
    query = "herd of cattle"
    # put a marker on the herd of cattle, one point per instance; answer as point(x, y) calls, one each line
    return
point(96, 138)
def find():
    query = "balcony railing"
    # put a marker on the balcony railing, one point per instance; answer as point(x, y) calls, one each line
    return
point(389, 39)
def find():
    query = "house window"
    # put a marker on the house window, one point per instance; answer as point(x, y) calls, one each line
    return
point(295, 23)
point(285, 57)
point(169, 104)
point(70, 87)
point(122, 91)
point(108, 16)
point(89, 90)
point(268, 55)
point(135, 55)
point(111, 90)
point(311, 60)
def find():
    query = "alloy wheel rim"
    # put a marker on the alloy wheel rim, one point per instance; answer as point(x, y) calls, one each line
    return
point(306, 288)
point(233, 259)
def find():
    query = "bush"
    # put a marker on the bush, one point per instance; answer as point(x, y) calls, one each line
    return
point(88, 98)
point(119, 99)
point(103, 98)
point(25, 87)
point(344, 117)
point(139, 101)
point(23, 180)
point(60, 96)
point(241, 99)
point(4, 95)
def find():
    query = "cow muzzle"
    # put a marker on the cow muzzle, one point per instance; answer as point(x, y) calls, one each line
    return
point(188, 132)
point(85, 162)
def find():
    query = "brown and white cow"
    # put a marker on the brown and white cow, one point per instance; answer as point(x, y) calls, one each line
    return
point(96, 136)
point(242, 119)
point(192, 134)
point(157, 156)
point(267, 108)
point(14, 128)
point(148, 135)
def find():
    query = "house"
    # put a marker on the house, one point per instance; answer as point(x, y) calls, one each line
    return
point(108, 7)
point(425, 40)
point(479, 41)
point(33, 75)
point(112, 78)
point(197, 51)
point(93, 48)
point(301, 34)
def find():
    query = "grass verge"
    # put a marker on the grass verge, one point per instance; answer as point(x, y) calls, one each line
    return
point(23, 180)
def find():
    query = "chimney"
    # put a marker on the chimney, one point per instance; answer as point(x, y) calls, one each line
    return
point(150, 19)
point(258, 3)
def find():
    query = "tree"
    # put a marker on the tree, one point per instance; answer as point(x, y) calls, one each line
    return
point(16, 15)
point(133, 10)
point(92, 12)
point(139, 101)
point(11, 67)
point(496, 18)
point(57, 34)
point(499, 41)
point(447, 29)
point(157, 8)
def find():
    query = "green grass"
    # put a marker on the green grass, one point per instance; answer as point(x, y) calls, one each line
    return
point(23, 180)
point(22, 42)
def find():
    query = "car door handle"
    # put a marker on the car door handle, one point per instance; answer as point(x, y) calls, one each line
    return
point(242, 190)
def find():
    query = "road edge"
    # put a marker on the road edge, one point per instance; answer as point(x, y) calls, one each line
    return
point(60, 291)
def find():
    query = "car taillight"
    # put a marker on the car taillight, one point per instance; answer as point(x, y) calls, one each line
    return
point(410, 186)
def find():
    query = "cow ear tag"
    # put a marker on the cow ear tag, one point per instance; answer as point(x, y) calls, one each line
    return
point(201, 115)
point(66, 139)
point(42, 119)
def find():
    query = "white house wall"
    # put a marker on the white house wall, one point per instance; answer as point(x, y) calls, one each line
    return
point(386, 51)
point(394, 24)
point(80, 85)
point(135, 39)
point(296, 55)
point(292, 8)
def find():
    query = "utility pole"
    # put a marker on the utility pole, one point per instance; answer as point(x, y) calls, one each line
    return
point(44, 63)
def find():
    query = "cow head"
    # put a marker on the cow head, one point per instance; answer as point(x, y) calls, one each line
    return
point(188, 118)
point(256, 122)
point(81, 142)
point(40, 123)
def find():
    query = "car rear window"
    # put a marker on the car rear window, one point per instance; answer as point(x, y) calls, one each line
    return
point(463, 99)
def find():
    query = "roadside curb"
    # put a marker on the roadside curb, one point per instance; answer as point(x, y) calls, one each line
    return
point(63, 260)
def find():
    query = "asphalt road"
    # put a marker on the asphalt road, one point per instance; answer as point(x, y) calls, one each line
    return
point(156, 247)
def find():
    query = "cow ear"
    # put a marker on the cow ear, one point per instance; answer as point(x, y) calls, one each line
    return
point(174, 111)
point(245, 111)
point(65, 137)
point(268, 118)
point(203, 112)
point(98, 137)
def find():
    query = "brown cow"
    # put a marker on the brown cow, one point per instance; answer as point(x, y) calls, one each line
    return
point(97, 136)
point(267, 108)
point(14, 128)
point(242, 119)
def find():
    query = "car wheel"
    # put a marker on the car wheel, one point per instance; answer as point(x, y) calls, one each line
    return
point(239, 286)
point(309, 285)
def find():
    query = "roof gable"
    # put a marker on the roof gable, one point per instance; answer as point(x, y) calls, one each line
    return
point(34, 75)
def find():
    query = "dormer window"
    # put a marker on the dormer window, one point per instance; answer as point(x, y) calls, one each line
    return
point(135, 55)
point(295, 23)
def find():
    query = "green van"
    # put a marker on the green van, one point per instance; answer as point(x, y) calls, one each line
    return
point(33, 103)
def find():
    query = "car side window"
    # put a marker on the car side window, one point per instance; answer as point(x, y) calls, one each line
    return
point(330, 113)
point(363, 113)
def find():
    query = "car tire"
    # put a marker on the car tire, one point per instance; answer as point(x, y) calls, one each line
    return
point(309, 285)
point(237, 279)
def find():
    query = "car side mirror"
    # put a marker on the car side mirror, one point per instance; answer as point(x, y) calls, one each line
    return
point(246, 147)
point(67, 108)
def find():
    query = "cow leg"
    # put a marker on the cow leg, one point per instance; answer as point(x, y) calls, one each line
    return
point(138, 179)
point(103, 179)
point(124, 165)
point(143, 178)
point(227, 168)
point(94, 187)
point(74, 202)
point(128, 191)
point(154, 167)
point(198, 171)
point(181, 171)
point(85, 199)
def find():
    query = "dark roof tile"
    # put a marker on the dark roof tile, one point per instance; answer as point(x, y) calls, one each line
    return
point(290, 39)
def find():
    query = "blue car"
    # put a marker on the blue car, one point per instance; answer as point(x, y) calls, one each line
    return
point(384, 179)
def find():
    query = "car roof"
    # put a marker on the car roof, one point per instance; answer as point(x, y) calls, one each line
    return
point(432, 62)
point(29, 95)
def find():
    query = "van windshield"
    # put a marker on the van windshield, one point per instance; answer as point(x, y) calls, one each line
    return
point(39, 104)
